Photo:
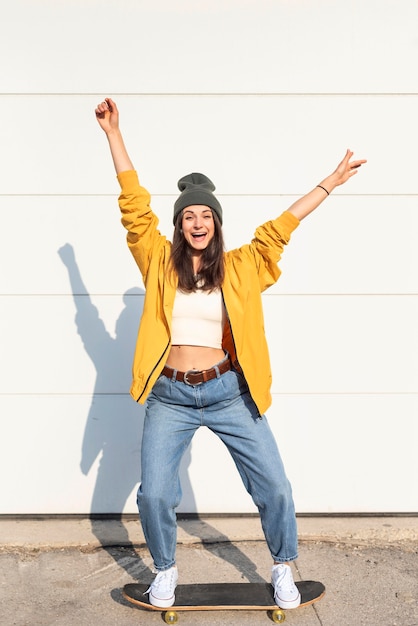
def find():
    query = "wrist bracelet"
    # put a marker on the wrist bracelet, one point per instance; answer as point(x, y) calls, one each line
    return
point(321, 187)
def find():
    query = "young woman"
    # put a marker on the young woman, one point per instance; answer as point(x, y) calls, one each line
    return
point(201, 356)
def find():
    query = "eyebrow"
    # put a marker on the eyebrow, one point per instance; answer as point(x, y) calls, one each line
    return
point(193, 212)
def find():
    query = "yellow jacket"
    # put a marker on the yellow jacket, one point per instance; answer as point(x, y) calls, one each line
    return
point(249, 270)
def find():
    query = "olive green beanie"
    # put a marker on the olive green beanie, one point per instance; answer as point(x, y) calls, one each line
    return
point(196, 189)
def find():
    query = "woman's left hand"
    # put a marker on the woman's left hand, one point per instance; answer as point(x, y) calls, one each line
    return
point(346, 169)
point(308, 203)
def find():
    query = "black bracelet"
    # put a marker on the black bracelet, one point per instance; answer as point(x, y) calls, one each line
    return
point(321, 187)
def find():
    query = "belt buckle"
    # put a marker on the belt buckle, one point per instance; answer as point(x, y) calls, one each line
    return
point(186, 380)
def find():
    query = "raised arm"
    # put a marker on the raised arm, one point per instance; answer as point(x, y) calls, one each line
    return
point(107, 115)
point(308, 203)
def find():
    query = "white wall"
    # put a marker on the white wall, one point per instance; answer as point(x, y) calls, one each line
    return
point(264, 97)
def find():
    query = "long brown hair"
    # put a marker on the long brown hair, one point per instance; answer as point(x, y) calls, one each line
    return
point(211, 272)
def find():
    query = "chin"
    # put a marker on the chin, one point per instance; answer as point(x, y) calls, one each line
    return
point(198, 246)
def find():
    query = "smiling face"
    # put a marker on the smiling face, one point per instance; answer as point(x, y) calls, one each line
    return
point(198, 226)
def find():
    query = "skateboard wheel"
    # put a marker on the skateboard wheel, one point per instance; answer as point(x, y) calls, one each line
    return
point(171, 617)
point(278, 616)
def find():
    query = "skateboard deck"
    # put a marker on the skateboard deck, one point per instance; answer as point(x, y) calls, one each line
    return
point(224, 597)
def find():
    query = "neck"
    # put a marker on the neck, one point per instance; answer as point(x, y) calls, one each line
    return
point(196, 263)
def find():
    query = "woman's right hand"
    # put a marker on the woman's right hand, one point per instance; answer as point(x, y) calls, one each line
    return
point(107, 115)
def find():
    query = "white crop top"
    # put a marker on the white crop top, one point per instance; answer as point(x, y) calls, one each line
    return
point(198, 319)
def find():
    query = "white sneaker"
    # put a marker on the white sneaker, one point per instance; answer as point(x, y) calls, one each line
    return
point(161, 591)
point(286, 594)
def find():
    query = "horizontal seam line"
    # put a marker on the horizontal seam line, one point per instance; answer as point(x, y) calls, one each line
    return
point(228, 94)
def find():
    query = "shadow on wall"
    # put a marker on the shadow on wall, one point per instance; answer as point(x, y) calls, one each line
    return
point(115, 422)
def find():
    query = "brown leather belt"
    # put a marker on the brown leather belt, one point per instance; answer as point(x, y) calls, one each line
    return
point(196, 377)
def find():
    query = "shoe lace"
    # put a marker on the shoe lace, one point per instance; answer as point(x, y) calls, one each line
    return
point(163, 581)
point(285, 581)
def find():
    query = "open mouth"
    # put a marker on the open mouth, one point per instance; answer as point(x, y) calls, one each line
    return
point(198, 236)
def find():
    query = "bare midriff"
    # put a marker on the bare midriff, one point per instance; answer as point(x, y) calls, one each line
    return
point(184, 358)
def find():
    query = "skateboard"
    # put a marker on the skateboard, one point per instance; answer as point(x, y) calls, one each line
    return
point(224, 597)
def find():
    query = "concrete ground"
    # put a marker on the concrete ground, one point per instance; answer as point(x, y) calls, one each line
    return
point(71, 571)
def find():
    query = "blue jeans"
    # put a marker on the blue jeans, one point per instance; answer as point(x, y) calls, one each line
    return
point(174, 411)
